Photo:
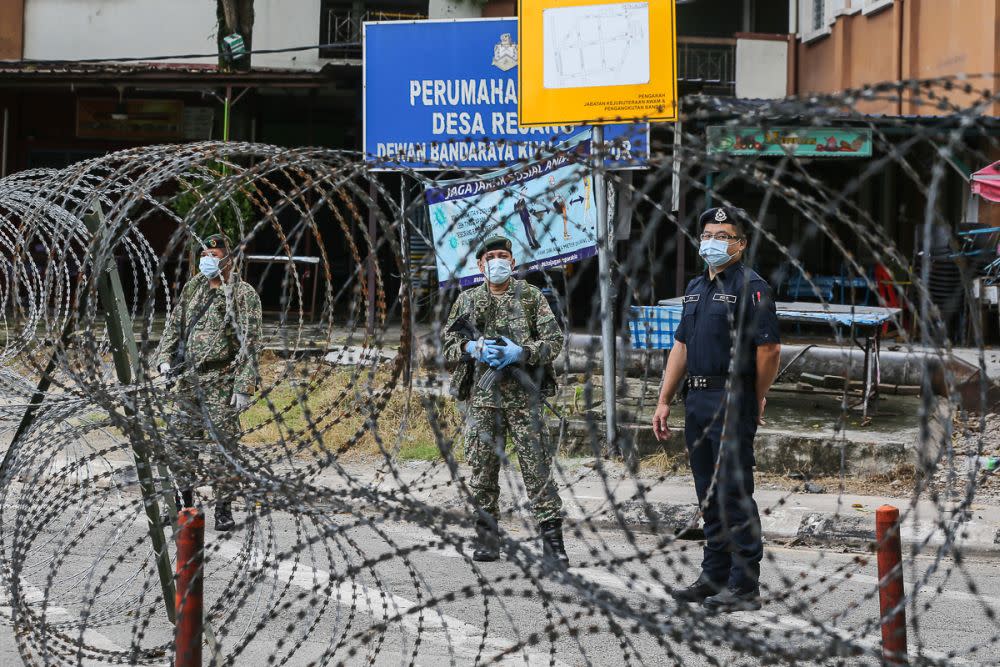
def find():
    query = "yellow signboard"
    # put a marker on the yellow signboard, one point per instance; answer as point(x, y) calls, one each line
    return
point(596, 62)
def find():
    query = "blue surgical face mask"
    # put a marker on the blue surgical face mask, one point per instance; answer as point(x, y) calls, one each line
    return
point(209, 265)
point(715, 252)
point(498, 271)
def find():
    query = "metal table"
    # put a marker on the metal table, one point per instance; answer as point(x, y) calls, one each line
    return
point(295, 259)
point(868, 320)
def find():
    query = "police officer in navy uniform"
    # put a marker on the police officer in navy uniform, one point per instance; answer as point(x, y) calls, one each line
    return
point(727, 345)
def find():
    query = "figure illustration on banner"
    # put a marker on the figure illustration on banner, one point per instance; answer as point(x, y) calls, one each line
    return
point(559, 206)
point(524, 211)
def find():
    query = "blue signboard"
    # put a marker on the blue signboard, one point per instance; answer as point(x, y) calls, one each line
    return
point(444, 93)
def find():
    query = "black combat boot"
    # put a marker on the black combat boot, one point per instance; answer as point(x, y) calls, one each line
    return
point(552, 542)
point(487, 541)
point(224, 517)
point(184, 498)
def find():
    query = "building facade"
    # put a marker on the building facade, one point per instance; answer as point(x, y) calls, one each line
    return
point(62, 100)
point(850, 44)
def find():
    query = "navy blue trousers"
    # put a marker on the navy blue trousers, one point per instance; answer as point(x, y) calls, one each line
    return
point(721, 441)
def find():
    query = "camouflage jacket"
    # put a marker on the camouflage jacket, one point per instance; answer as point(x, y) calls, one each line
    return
point(523, 315)
point(215, 330)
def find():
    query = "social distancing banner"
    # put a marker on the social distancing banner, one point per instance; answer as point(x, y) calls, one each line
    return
point(547, 209)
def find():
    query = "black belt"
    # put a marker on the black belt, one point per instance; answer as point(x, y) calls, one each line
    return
point(706, 382)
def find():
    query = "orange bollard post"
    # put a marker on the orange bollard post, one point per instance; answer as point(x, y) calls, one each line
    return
point(890, 587)
point(188, 602)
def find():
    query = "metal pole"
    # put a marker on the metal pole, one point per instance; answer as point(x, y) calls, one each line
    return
point(370, 266)
point(604, 249)
point(225, 113)
point(869, 376)
point(125, 354)
point(677, 205)
point(675, 181)
point(890, 585)
point(404, 247)
point(190, 584)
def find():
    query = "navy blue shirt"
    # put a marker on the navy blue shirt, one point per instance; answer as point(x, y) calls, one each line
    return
point(735, 305)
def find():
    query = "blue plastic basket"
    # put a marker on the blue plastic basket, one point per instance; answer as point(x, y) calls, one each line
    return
point(653, 327)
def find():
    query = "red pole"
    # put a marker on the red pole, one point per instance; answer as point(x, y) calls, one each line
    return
point(188, 603)
point(890, 587)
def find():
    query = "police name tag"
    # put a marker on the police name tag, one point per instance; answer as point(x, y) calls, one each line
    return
point(691, 298)
point(728, 298)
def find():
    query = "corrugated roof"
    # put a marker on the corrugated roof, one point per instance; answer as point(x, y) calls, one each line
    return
point(60, 72)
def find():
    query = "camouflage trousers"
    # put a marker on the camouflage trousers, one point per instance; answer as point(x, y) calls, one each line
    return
point(485, 441)
point(205, 422)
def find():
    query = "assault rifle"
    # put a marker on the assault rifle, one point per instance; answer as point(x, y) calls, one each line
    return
point(463, 327)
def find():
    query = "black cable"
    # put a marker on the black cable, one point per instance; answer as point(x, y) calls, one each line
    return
point(332, 45)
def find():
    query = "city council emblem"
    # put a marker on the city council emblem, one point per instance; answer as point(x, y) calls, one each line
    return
point(505, 53)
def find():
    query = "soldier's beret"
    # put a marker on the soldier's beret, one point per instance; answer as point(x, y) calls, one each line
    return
point(723, 215)
point(494, 243)
point(217, 241)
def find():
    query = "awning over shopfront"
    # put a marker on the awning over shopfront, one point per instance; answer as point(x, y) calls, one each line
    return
point(986, 182)
point(28, 74)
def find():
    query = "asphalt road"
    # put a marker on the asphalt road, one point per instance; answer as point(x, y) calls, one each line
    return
point(392, 593)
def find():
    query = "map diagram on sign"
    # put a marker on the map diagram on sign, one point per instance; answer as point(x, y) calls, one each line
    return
point(596, 45)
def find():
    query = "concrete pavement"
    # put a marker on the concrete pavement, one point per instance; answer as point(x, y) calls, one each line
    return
point(392, 593)
point(606, 497)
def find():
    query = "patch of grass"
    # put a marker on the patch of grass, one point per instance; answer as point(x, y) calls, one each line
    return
point(420, 451)
point(339, 403)
point(664, 463)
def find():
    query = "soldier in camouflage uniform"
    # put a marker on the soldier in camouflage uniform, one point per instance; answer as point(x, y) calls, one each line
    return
point(211, 344)
point(516, 328)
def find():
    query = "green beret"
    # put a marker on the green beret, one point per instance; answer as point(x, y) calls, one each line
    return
point(217, 241)
point(494, 243)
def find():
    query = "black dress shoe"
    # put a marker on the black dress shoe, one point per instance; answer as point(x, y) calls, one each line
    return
point(485, 554)
point(698, 591)
point(734, 600)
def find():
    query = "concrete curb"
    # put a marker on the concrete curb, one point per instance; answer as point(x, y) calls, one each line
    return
point(802, 527)
point(787, 518)
point(785, 525)
point(775, 451)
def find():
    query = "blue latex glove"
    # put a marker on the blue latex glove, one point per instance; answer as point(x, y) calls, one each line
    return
point(481, 350)
point(508, 354)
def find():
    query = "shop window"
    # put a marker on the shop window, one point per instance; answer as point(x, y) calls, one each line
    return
point(813, 21)
point(816, 17)
point(342, 21)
